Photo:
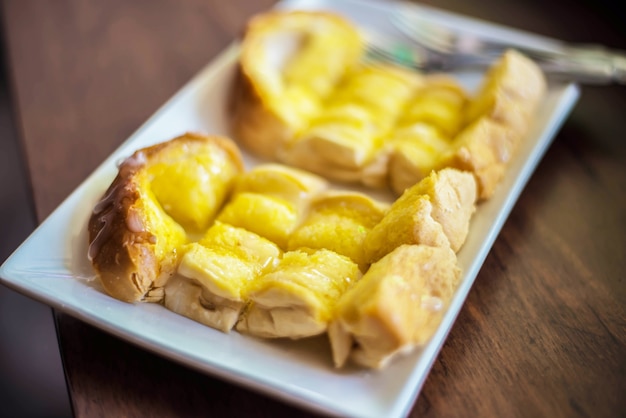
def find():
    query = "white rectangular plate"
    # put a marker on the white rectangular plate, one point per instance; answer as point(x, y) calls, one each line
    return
point(51, 264)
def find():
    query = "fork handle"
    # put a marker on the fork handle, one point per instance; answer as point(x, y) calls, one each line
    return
point(587, 64)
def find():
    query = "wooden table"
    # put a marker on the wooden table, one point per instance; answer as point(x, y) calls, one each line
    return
point(543, 332)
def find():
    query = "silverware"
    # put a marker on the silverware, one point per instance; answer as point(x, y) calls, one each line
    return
point(431, 46)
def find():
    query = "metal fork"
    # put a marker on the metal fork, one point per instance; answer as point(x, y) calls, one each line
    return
point(432, 47)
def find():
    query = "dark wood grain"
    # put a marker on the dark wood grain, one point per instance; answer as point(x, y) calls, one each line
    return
point(543, 332)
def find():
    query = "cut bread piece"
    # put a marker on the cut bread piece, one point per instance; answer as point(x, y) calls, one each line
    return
point(440, 102)
point(435, 212)
point(161, 194)
point(289, 183)
point(425, 130)
point(510, 93)
point(345, 137)
point(216, 274)
point(339, 221)
point(484, 149)
point(297, 298)
point(270, 200)
point(397, 305)
point(414, 152)
point(290, 62)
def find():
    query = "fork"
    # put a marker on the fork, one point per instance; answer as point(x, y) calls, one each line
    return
point(436, 47)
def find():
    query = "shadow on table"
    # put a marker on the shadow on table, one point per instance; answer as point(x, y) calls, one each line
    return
point(32, 383)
